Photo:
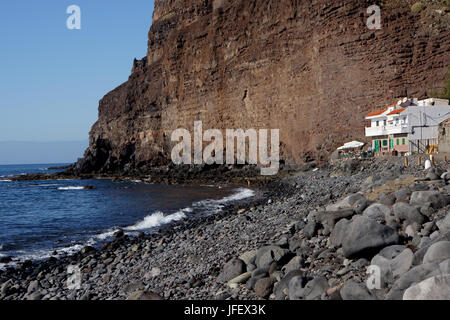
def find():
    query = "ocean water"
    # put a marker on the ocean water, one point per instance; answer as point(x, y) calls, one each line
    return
point(40, 217)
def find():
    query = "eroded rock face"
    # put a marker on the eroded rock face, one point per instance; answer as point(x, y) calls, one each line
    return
point(310, 68)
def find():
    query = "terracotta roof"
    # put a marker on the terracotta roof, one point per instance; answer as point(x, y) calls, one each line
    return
point(376, 113)
point(397, 111)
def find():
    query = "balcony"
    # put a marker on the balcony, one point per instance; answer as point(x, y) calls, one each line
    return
point(386, 130)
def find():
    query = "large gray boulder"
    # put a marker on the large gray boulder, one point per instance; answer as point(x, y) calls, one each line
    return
point(311, 291)
point(338, 233)
point(281, 286)
point(404, 211)
point(435, 288)
point(266, 255)
point(356, 291)
point(393, 267)
point(231, 270)
point(413, 276)
point(437, 252)
point(444, 224)
point(420, 254)
point(364, 237)
point(435, 198)
point(377, 211)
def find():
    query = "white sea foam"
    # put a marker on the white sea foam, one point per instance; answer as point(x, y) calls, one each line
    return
point(214, 206)
point(157, 219)
point(5, 180)
point(71, 188)
point(154, 220)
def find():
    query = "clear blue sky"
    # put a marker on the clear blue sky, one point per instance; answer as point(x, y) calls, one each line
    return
point(51, 78)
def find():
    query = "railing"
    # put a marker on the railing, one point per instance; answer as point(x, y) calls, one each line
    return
point(386, 130)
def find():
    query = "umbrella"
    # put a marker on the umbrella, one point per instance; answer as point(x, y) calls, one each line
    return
point(352, 145)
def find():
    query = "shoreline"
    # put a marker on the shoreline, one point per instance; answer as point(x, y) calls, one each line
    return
point(227, 202)
point(191, 260)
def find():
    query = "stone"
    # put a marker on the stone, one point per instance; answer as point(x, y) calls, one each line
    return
point(407, 212)
point(33, 286)
point(420, 254)
point(339, 231)
point(142, 295)
point(6, 259)
point(294, 264)
point(266, 255)
point(435, 198)
point(35, 296)
point(377, 211)
point(437, 252)
point(356, 291)
point(411, 230)
point(232, 269)
point(315, 288)
point(281, 286)
point(444, 224)
point(263, 287)
point(330, 218)
point(240, 279)
point(346, 203)
point(311, 229)
point(387, 199)
point(155, 272)
point(296, 285)
point(431, 175)
point(119, 234)
point(435, 288)
point(402, 193)
point(414, 275)
point(364, 236)
point(87, 250)
point(445, 176)
point(133, 286)
point(395, 266)
point(7, 288)
point(248, 257)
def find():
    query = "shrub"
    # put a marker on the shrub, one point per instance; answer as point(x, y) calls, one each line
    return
point(417, 7)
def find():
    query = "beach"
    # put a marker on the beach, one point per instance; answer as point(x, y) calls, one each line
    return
point(287, 242)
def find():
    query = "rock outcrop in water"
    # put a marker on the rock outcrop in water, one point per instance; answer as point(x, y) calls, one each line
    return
point(310, 68)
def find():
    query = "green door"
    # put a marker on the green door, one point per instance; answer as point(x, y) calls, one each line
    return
point(377, 145)
point(391, 144)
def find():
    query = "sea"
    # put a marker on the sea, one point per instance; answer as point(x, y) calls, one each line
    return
point(40, 219)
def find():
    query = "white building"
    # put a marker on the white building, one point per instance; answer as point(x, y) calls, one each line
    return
point(410, 125)
point(389, 129)
point(423, 125)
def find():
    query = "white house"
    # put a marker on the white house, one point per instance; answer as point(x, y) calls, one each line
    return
point(389, 128)
point(423, 124)
point(410, 125)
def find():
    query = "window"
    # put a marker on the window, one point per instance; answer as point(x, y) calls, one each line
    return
point(398, 141)
point(384, 123)
point(378, 123)
point(385, 143)
point(403, 141)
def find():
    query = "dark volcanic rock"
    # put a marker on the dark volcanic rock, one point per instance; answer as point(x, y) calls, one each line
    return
point(231, 270)
point(364, 237)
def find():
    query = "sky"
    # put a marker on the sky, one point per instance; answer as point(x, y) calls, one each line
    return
point(51, 77)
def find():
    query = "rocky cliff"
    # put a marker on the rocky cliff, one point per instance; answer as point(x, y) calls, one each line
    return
point(312, 69)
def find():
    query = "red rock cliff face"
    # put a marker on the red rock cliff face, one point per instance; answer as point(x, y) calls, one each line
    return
point(309, 68)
